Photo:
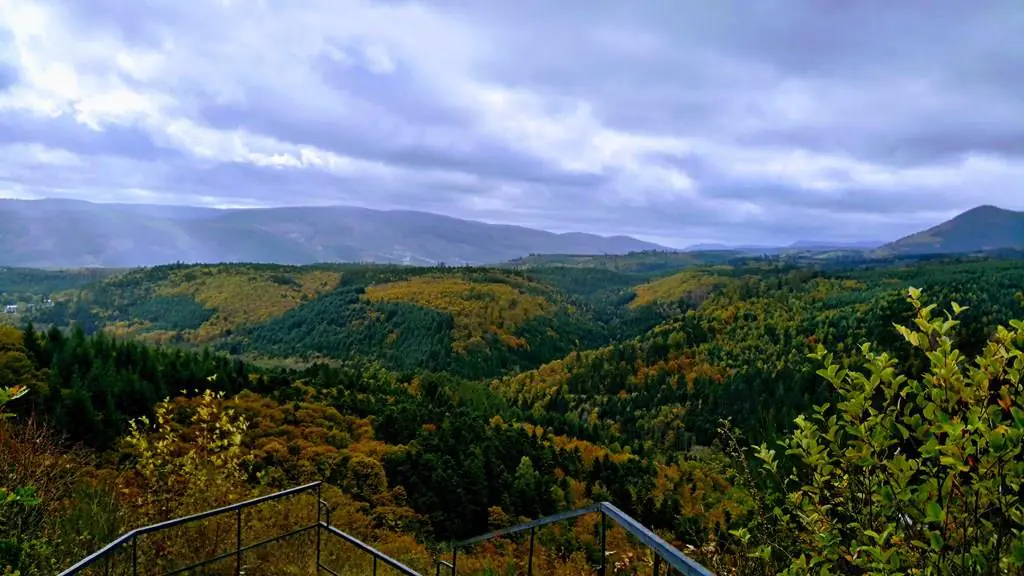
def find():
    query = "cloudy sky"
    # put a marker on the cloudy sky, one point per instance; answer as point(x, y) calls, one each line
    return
point(678, 121)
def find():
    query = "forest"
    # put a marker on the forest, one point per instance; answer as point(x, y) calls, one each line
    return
point(767, 415)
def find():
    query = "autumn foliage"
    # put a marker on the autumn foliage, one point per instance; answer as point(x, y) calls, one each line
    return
point(438, 404)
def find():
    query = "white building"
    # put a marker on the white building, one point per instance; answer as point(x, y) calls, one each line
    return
point(11, 309)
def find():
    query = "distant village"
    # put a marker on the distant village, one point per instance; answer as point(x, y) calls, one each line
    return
point(13, 309)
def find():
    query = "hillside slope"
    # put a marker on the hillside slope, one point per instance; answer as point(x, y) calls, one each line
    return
point(472, 322)
point(66, 233)
point(980, 229)
point(740, 350)
point(190, 304)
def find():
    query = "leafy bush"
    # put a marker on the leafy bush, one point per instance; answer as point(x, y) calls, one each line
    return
point(905, 474)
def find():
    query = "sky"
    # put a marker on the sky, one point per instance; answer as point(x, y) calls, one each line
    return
point(677, 121)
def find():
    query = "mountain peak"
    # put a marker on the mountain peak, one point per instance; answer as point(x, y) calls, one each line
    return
point(987, 210)
point(979, 229)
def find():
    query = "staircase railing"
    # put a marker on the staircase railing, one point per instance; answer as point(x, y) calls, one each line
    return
point(129, 542)
point(663, 551)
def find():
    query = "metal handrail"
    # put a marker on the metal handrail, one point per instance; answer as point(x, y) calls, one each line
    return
point(663, 551)
point(377, 554)
point(132, 535)
point(320, 526)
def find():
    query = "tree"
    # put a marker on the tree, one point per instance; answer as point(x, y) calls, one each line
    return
point(905, 474)
point(365, 477)
point(524, 488)
point(181, 470)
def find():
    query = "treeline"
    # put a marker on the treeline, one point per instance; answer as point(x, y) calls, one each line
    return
point(88, 387)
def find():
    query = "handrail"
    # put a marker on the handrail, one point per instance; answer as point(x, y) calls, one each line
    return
point(320, 525)
point(367, 548)
point(662, 549)
point(561, 516)
point(668, 552)
point(133, 534)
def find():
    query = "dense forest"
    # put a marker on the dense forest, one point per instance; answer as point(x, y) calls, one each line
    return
point(733, 404)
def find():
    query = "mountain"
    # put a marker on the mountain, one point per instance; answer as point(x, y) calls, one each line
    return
point(56, 233)
point(800, 245)
point(720, 247)
point(825, 245)
point(984, 228)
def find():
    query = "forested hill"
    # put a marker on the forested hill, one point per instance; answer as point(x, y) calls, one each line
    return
point(738, 350)
point(473, 322)
point(984, 228)
point(440, 403)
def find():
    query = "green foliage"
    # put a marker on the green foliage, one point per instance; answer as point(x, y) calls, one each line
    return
point(443, 402)
point(22, 282)
point(170, 313)
point(344, 326)
point(475, 324)
point(908, 474)
point(89, 387)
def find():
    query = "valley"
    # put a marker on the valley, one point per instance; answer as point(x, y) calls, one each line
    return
point(442, 402)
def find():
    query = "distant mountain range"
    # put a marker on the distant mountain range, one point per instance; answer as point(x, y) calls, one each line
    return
point(70, 233)
point(800, 246)
point(985, 228)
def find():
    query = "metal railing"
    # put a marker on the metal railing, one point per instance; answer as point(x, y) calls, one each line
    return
point(663, 551)
point(130, 540)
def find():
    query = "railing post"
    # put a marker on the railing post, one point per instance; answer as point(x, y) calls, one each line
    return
point(238, 542)
point(455, 556)
point(374, 565)
point(529, 563)
point(135, 555)
point(604, 529)
point(657, 564)
point(318, 528)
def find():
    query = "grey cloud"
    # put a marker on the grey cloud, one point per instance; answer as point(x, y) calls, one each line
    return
point(947, 141)
point(845, 196)
point(400, 91)
point(892, 85)
point(67, 134)
point(146, 23)
point(8, 76)
point(713, 68)
point(8, 70)
point(378, 134)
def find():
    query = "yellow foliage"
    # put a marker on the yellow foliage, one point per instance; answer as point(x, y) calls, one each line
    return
point(590, 451)
point(184, 469)
point(478, 308)
point(693, 285)
point(532, 386)
point(242, 296)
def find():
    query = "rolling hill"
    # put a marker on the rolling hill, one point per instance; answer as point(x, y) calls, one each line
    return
point(984, 228)
point(473, 322)
point(70, 233)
